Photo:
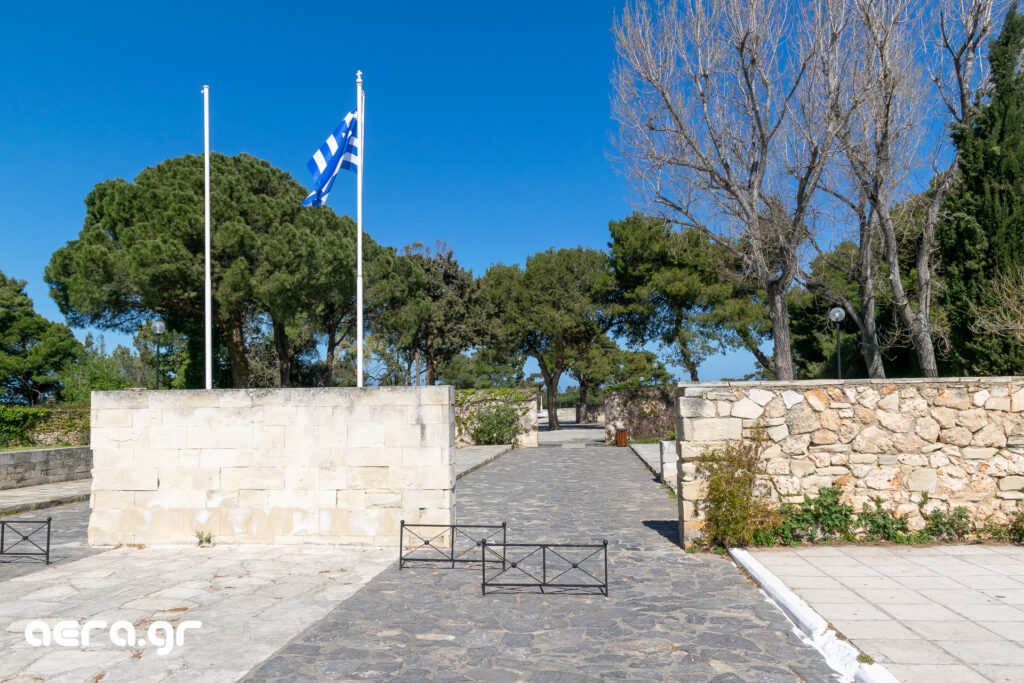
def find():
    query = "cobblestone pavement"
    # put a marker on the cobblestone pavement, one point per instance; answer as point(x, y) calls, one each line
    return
point(670, 616)
point(69, 540)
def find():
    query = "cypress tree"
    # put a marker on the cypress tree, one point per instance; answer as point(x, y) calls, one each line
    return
point(984, 232)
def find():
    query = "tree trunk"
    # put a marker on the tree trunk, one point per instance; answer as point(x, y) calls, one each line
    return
point(235, 340)
point(284, 353)
point(581, 408)
point(917, 322)
point(417, 367)
point(778, 311)
point(332, 345)
point(429, 367)
point(552, 392)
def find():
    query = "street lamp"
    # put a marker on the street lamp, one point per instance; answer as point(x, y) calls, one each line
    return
point(159, 328)
point(837, 315)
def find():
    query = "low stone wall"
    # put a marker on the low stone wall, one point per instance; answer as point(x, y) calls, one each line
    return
point(469, 403)
point(44, 466)
point(646, 412)
point(958, 440)
point(331, 465)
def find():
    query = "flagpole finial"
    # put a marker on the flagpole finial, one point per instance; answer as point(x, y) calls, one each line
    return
point(359, 76)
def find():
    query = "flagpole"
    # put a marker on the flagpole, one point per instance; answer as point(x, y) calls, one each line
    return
point(361, 132)
point(206, 279)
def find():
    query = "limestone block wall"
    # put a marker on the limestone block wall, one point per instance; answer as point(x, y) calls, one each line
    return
point(331, 465)
point(36, 466)
point(958, 440)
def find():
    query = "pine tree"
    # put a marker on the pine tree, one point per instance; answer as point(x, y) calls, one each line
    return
point(984, 233)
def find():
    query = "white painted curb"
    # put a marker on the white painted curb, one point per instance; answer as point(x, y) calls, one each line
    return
point(839, 654)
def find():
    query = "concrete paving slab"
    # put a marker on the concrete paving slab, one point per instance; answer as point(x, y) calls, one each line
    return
point(941, 613)
point(471, 458)
point(27, 498)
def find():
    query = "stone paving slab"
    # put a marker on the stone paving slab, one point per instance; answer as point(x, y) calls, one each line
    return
point(929, 614)
point(670, 616)
point(650, 454)
point(471, 458)
point(250, 600)
point(28, 498)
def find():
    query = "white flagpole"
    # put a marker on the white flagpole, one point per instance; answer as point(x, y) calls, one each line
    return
point(208, 287)
point(361, 132)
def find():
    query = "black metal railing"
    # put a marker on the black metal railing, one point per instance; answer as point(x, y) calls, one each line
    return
point(18, 537)
point(554, 567)
point(447, 543)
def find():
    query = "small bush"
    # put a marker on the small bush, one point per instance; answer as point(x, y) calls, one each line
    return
point(948, 526)
point(732, 514)
point(881, 524)
point(824, 518)
point(16, 423)
point(1015, 529)
point(497, 424)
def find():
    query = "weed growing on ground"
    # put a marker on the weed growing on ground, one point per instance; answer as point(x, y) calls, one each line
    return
point(204, 539)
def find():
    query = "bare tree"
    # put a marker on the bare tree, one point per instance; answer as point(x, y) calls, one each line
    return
point(1004, 315)
point(723, 127)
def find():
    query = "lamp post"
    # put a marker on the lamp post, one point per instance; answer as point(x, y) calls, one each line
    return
point(837, 315)
point(159, 328)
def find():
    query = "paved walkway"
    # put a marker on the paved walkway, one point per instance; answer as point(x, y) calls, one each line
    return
point(69, 540)
point(46, 495)
point(250, 599)
point(670, 616)
point(930, 615)
point(471, 458)
point(650, 453)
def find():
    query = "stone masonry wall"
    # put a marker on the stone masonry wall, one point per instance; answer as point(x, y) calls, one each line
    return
point(646, 412)
point(477, 400)
point(332, 465)
point(44, 466)
point(960, 440)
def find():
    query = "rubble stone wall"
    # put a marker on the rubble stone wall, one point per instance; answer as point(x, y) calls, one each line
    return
point(958, 440)
point(330, 465)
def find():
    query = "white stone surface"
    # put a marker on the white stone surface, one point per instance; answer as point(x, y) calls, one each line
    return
point(941, 613)
point(251, 600)
point(270, 465)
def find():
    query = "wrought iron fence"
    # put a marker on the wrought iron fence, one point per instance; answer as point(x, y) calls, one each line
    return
point(549, 567)
point(18, 537)
point(447, 543)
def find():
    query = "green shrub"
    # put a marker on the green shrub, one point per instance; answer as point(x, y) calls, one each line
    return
point(824, 518)
point(948, 526)
point(881, 524)
point(496, 424)
point(16, 423)
point(1015, 529)
point(732, 514)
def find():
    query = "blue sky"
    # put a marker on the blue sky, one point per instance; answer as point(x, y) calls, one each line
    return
point(488, 126)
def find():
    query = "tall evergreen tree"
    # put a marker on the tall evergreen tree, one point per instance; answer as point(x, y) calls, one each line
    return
point(984, 234)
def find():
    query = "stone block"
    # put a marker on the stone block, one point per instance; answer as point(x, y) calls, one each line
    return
point(801, 468)
point(1014, 483)
point(791, 398)
point(802, 419)
point(760, 396)
point(889, 402)
point(1017, 401)
point(894, 422)
point(990, 435)
point(778, 432)
point(712, 429)
point(957, 436)
point(817, 399)
point(695, 407)
point(747, 409)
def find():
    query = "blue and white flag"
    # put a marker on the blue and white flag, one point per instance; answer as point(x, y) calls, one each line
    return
point(341, 150)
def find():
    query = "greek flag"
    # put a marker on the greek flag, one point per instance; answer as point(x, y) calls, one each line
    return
point(341, 150)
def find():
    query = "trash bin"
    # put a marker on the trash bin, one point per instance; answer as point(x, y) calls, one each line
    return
point(621, 437)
